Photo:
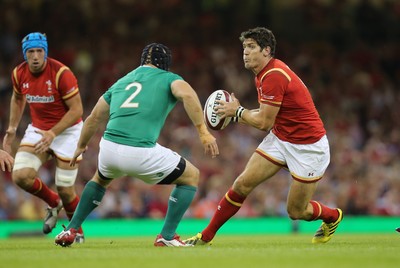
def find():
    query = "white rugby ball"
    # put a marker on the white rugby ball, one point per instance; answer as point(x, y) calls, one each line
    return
point(210, 116)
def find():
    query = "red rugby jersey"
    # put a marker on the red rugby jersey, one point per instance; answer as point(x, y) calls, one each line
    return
point(298, 120)
point(46, 92)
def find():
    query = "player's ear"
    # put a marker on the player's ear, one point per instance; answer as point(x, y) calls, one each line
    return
point(266, 51)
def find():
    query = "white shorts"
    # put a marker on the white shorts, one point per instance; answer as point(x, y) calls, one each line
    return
point(306, 162)
point(150, 165)
point(63, 145)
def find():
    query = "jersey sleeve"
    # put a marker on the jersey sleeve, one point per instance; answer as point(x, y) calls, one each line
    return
point(175, 77)
point(107, 96)
point(67, 83)
point(273, 87)
point(15, 82)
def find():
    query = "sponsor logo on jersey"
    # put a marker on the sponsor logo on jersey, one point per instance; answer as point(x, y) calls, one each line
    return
point(39, 99)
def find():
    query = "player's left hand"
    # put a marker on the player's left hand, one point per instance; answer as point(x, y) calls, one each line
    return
point(77, 153)
point(44, 143)
point(227, 109)
point(209, 141)
point(210, 144)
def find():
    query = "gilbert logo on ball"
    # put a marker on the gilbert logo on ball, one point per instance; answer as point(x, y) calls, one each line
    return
point(212, 119)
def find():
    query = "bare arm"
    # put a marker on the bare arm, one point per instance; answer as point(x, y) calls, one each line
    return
point(17, 106)
point(75, 111)
point(185, 93)
point(96, 118)
point(262, 118)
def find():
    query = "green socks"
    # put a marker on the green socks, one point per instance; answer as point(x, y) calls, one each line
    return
point(91, 197)
point(179, 201)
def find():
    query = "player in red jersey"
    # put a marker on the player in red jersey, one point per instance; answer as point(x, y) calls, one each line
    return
point(296, 141)
point(51, 90)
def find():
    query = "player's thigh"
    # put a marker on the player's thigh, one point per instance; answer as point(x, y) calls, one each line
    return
point(65, 176)
point(300, 194)
point(64, 145)
point(258, 169)
point(64, 164)
point(27, 163)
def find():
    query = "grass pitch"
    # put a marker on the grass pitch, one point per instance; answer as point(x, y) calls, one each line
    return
point(344, 250)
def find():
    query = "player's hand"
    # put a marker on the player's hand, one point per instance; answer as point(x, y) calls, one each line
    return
point(210, 144)
point(44, 143)
point(227, 109)
point(6, 161)
point(77, 153)
point(208, 140)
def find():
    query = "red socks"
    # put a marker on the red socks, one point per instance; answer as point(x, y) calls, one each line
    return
point(70, 208)
point(328, 215)
point(227, 207)
point(41, 190)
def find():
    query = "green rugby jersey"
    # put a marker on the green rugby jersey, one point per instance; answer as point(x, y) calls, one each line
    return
point(139, 104)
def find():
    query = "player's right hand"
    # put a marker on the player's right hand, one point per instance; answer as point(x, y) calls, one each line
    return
point(77, 153)
point(6, 161)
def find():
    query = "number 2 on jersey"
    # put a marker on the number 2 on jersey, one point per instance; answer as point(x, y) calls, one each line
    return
point(128, 103)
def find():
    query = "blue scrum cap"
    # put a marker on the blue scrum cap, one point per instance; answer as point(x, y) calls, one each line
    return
point(34, 40)
point(158, 55)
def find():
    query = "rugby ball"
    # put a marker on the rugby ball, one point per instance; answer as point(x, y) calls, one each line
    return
point(210, 116)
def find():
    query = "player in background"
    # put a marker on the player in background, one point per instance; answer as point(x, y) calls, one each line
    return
point(296, 141)
point(135, 109)
point(6, 161)
point(51, 90)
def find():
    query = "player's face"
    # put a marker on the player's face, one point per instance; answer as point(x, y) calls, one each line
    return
point(253, 56)
point(35, 59)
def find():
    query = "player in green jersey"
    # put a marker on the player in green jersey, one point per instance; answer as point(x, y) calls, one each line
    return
point(136, 107)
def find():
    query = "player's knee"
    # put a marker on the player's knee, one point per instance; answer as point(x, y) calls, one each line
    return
point(241, 187)
point(22, 179)
point(295, 213)
point(194, 177)
point(191, 176)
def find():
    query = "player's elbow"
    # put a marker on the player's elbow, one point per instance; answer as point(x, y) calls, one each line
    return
point(263, 125)
point(77, 112)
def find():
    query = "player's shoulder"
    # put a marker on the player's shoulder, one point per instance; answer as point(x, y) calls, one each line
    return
point(56, 64)
point(277, 66)
point(19, 71)
point(168, 75)
point(22, 66)
point(276, 69)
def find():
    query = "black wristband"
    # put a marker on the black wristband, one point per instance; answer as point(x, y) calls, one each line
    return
point(239, 112)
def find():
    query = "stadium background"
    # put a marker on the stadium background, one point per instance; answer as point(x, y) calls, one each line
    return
point(347, 52)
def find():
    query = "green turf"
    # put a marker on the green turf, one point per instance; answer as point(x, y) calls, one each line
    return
point(287, 250)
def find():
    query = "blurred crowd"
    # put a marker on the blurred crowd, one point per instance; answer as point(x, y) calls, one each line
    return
point(346, 52)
